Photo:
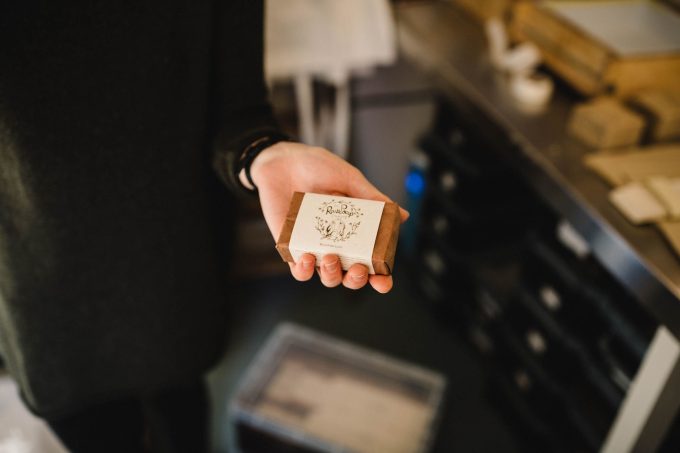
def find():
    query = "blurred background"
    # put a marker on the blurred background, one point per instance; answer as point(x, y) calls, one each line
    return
point(536, 304)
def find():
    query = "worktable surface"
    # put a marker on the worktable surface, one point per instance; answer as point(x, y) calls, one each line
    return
point(451, 46)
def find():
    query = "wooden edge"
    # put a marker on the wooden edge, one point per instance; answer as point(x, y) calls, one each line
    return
point(287, 230)
point(386, 242)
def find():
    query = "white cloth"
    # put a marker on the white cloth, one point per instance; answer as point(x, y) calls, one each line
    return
point(328, 40)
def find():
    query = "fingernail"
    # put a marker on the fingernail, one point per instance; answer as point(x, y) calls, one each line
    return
point(331, 267)
point(307, 264)
point(359, 277)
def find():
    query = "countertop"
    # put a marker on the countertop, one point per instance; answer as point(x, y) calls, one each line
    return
point(451, 47)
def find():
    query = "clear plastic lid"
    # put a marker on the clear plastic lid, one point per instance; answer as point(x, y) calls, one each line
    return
point(317, 391)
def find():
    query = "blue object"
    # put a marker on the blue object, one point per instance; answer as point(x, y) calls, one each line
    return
point(416, 184)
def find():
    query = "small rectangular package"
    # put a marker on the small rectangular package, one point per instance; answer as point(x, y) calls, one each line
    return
point(358, 231)
point(605, 123)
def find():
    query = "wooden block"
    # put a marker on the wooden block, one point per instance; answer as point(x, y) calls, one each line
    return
point(662, 110)
point(606, 123)
point(637, 204)
point(625, 77)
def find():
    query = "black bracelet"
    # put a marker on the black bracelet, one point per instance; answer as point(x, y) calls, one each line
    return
point(252, 151)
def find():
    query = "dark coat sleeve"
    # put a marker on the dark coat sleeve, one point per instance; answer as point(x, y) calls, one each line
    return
point(240, 106)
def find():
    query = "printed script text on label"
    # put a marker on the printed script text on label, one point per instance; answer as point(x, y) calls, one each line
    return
point(329, 224)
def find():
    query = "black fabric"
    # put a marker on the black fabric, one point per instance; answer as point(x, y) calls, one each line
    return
point(111, 427)
point(252, 151)
point(112, 254)
point(174, 421)
point(228, 164)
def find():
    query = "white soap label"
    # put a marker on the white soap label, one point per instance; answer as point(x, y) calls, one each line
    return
point(330, 224)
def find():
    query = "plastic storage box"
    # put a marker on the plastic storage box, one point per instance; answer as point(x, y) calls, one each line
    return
point(308, 392)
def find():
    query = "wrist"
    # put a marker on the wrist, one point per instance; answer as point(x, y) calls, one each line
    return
point(264, 160)
point(243, 170)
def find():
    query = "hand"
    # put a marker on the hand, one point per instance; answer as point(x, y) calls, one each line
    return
point(288, 167)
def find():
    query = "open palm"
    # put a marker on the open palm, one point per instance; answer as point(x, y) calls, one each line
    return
point(287, 167)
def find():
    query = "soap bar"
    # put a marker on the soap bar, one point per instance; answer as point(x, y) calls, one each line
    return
point(667, 191)
point(358, 231)
point(637, 203)
point(606, 123)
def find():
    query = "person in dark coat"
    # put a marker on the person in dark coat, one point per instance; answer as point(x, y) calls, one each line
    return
point(114, 231)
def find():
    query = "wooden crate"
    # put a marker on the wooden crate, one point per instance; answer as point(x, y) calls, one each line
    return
point(587, 64)
point(486, 9)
